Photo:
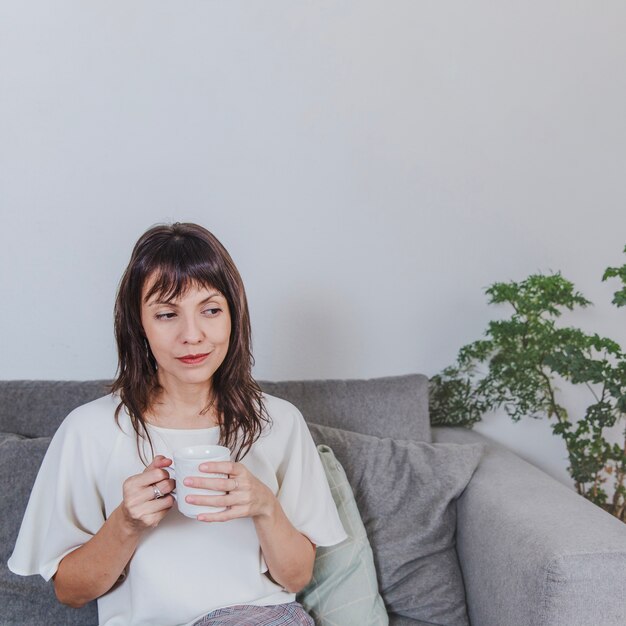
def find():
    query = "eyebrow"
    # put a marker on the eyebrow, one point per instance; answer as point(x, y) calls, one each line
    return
point(170, 303)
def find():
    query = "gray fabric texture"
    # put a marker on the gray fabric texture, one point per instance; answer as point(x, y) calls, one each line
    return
point(35, 408)
point(27, 599)
point(395, 406)
point(398, 620)
point(533, 552)
point(405, 492)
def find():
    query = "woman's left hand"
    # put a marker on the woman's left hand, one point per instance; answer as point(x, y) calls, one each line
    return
point(246, 495)
point(289, 555)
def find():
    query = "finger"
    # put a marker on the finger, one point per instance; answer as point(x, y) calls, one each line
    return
point(214, 484)
point(160, 489)
point(135, 486)
point(152, 492)
point(161, 504)
point(222, 467)
point(152, 477)
point(166, 486)
point(155, 461)
point(223, 516)
point(228, 500)
point(159, 461)
point(142, 510)
point(149, 477)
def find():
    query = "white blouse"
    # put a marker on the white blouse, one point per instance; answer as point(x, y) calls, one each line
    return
point(183, 568)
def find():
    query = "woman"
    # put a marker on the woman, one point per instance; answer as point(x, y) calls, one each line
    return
point(102, 521)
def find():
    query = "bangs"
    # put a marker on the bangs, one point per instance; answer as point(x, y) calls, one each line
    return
point(180, 265)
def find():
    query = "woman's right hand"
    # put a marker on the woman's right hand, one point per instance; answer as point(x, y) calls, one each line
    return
point(139, 507)
point(92, 569)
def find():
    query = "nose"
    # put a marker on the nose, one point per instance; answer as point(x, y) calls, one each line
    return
point(191, 332)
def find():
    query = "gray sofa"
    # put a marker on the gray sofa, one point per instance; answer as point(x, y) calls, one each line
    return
point(531, 551)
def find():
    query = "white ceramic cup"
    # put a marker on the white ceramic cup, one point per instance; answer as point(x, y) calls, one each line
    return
point(186, 463)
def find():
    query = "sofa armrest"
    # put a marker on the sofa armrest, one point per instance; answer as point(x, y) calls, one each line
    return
point(532, 551)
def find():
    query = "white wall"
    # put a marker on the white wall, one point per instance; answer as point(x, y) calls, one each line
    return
point(372, 167)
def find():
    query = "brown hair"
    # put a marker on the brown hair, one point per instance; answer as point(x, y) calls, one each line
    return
point(180, 256)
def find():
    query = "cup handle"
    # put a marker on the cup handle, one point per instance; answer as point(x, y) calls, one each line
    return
point(172, 472)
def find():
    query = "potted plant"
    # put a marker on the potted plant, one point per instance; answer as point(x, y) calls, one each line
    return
point(518, 365)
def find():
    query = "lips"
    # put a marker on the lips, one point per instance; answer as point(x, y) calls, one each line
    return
point(193, 359)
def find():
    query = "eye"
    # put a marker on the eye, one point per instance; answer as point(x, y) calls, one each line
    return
point(212, 312)
point(164, 316)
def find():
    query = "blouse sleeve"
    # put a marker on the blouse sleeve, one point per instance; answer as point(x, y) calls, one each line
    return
point(304, 492)
point(65, 508)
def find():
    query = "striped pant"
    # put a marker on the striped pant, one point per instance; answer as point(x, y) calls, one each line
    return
point(291, 614)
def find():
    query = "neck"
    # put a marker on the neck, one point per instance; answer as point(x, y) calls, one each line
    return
point(184, 406)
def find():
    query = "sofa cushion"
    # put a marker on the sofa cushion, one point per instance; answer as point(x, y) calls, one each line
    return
point(27, 599)
point(394, 406)
point(406, 493)
point(344, 589)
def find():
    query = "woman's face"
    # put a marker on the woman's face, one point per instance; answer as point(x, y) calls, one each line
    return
point(188, 337)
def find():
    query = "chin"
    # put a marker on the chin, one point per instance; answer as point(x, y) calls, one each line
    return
point(197, 376)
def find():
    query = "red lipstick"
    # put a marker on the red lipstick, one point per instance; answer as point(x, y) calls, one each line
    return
point(193, 359)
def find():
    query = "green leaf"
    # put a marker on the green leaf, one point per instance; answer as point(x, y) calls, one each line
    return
point(619, 297)
point(516, 365)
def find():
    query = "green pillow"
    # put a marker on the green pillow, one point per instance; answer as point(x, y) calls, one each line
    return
point(344, 588)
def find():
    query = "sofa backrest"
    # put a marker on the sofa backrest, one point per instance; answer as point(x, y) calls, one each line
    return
point(36, 408)
point(395, 406)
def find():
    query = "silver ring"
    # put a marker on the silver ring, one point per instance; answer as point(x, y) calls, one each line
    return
point(157, 492)
point(236, 484)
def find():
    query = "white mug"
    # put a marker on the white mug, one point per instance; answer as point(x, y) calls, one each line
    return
point(186, 463)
